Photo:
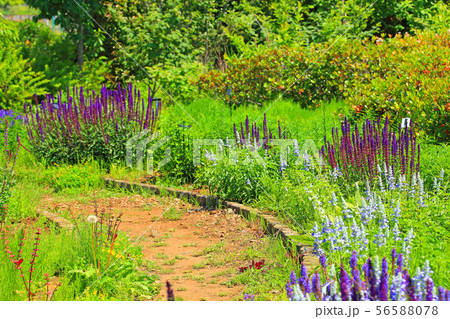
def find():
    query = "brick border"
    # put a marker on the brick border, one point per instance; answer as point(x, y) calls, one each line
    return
point(272, 225)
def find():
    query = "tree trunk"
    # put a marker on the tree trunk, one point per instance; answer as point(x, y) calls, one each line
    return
point(80, 48)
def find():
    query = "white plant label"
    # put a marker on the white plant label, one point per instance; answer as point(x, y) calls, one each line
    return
point(405, 122)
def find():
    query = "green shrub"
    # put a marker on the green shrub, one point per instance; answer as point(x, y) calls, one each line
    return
point(237, 178)
point(403, 77)
point(294, 72)
point(80, 176)
point(18, 81)
point(54, 55)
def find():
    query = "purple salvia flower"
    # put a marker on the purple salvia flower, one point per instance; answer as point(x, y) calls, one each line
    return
point(410, 287)
point(354, 260)
point(384, 281)
point(399, 264)
point(372, 280)
point(316, 286)
point(441, 293)
point(247, 126)
point(243, 142)
point(323, 261)
point(293, 278)
point(289, 291)
point(345, 285)
point(304, 281)
point(429, 289)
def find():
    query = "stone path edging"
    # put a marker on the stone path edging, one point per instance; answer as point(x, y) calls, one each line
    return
point(272, 224)
point(57, 220)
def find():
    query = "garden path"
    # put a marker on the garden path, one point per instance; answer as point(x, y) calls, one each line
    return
point(197, 251)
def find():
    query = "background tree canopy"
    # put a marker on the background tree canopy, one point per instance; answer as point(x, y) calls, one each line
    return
point(175, 32)
point(175, 41)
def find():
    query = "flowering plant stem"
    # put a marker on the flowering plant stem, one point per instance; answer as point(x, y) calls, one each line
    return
point(93, 249)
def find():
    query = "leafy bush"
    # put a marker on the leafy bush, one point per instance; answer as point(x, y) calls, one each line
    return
point(397, 77)
point(80, 176)
point(235, 178)
point(54, 55)
point(89, 124)
point(7, 173)
point(269, 73)
point(176, 81)
point(401, 77)
point(18, 81)
point(180, 167)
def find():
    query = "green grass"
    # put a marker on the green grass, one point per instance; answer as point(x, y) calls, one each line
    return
point(68, 257)
point(190, 245)
point(214, 120)
point(172, 214)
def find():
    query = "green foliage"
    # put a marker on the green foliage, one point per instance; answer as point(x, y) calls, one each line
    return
point(175, 81)
point(8, 33)
point(304, 75)
point(403, 77)
point(180, 167)
point(54, 55)
point(18, 81)
point(237, 179)
point(5, 3)
point(81, 176)
point(90, 145)
point(50, 53)
point(437, 18)
point(16, 7)
point(296, 195)
point(67, 256)
point(71, 15)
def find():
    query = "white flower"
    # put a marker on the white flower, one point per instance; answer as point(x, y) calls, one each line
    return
point(92, 219)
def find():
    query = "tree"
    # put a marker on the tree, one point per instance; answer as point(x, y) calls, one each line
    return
point(74, 16)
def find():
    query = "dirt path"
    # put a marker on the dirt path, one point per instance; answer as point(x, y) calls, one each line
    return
point(197, 251)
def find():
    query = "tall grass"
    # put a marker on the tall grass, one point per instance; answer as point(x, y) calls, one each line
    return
point(213, 119)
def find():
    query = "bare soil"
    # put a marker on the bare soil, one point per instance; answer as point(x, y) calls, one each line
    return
point(197, 251)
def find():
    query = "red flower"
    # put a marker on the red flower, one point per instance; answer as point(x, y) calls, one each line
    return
point(18, 262)
point(242, 269)
point(259, 264)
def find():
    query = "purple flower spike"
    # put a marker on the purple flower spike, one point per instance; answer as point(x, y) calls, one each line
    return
point(354, 260)
point(345, 285)
point(304, 281)
point(304, 271)
point(289, 291)
point(429, 288)
point(279, 130)
point(399, 264)
point(247, 125)
point(441, 293)
point(293, 278)
point(410, 288)
point(323, 261)
point(384, 281)
point(372, 281)
point(393, 255)
point(316, 286)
